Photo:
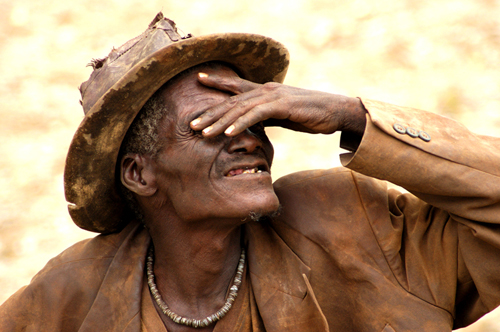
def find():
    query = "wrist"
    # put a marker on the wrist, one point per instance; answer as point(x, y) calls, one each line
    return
point(354, 116)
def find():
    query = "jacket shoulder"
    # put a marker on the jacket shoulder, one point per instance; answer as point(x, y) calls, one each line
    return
point(318, 203)
point(101, 247)
point(328, 187)
point(61, 294)
point(304, 178)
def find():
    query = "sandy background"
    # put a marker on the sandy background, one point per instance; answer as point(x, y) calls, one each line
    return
point(437, 55)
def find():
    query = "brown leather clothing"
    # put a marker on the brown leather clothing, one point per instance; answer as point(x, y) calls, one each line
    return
point(346, 254)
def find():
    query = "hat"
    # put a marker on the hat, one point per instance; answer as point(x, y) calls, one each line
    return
point(120, 85)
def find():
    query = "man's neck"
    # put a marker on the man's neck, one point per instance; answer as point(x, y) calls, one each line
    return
point(195, 265)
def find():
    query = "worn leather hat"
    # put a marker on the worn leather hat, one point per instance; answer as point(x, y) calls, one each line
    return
point(121, 84)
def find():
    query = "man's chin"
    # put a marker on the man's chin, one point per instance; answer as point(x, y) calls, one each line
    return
point(260, 216)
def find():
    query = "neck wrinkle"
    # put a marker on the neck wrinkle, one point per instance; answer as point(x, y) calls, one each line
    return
point(193, 273)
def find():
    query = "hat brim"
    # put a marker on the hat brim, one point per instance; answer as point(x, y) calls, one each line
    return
point(89, 177)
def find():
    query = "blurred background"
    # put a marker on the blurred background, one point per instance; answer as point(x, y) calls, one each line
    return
point(438, 55)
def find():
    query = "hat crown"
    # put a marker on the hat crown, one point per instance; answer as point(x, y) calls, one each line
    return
point(107, 71)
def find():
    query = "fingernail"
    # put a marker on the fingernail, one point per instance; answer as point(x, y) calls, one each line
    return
point(207, 130)
point(229, 130)
point(195, 122)
point(202, 75)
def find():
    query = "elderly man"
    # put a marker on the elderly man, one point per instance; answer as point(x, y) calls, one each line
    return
point(172, 165)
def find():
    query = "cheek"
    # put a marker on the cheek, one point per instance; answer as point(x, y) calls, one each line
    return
point(188, 169)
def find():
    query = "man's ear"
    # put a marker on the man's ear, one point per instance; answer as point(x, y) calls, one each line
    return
point(136, 174)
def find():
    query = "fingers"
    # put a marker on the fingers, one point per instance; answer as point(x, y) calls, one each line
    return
point(248, 119)
point(272, 103)
point(251, 104)
point(219, 118)
point(233, 84)
point(235, 115)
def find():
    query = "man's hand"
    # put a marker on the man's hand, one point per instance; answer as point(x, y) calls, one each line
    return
point(277, 105)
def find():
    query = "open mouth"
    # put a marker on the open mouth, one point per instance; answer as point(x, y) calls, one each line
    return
point(246, 170)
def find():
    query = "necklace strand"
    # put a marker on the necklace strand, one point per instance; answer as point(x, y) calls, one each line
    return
point(196, 323)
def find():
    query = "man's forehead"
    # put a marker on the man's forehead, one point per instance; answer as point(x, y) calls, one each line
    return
point(187, 95)
point(214, 67)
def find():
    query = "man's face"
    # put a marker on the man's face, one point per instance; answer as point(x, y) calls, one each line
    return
point(213, 178)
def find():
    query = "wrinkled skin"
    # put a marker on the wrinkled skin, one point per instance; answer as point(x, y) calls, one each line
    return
point(277, 105)
point(212, 172)
point(201, 172)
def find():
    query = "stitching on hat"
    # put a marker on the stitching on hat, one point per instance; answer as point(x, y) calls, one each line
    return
point(97, 63)
point(128, 49)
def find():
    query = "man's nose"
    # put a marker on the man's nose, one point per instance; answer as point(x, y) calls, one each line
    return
point(245, 142)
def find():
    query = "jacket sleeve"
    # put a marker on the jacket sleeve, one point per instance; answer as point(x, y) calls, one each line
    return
point(444, 241)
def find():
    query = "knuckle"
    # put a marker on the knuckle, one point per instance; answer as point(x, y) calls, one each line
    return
point(225, 119)
point(245, 123)
point(238, 83)
point(209, 114)
point(231, 84)
point(260, 109)
point(226, 82)
point(231, 101)
point(271, 86)
point(243, 105)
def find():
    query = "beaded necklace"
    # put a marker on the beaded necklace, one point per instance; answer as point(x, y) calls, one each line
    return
point(196, 323)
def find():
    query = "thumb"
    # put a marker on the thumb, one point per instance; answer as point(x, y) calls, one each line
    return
point(233, 84)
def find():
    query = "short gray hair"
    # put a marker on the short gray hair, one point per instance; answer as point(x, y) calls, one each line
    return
point(142, 138)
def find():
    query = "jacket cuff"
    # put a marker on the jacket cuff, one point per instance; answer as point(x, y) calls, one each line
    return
point(390, 127)
point(402, 138)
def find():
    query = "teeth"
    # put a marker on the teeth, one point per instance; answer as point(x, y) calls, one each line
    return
point(245, 171)
point(250, 170)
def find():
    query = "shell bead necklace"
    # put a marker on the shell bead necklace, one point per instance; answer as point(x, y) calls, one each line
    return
point(196, 323)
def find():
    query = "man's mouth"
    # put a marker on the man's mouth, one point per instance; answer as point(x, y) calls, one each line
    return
point(246, 170)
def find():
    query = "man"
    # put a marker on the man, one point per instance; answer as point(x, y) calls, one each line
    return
point(171, 164)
